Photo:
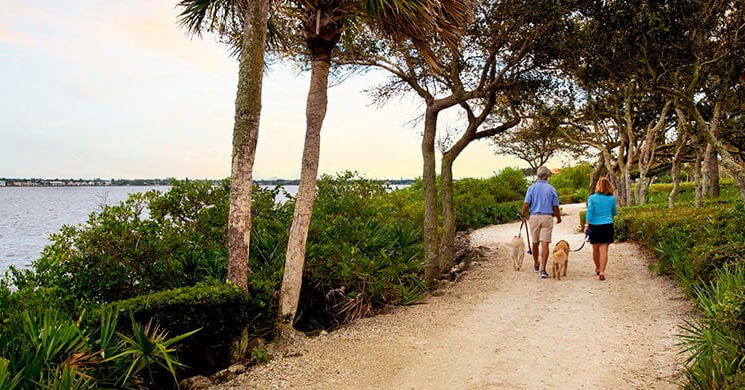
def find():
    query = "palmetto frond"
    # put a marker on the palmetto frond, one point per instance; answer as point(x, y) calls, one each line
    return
point(224, 18)
point(422, 21)
point(198, 16)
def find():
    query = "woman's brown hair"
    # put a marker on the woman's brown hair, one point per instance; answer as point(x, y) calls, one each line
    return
point(604, 187)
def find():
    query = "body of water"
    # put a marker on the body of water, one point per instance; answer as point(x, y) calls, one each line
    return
point(28, 215)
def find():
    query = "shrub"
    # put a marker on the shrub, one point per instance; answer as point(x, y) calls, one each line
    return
point(361, 254)
point(55, 351)
point(481, 202)
point(574, 177)
point(716, 341)
point(572, 182)
point(152, 242)
point(220, 311)
point(704, 249)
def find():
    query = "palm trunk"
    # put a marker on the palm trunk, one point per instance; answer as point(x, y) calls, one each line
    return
point(245, 135)
point(295, 258)
point(429, 177)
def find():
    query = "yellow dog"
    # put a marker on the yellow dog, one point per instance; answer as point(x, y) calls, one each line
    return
point(560, 259)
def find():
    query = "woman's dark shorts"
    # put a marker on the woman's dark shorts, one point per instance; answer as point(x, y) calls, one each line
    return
point(601, 234)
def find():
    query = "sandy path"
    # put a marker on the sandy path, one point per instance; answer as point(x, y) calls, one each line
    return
point(503, 329)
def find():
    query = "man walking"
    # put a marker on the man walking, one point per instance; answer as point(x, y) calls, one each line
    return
point(542, 201)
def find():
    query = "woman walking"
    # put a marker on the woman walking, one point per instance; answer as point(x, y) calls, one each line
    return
point(601, 208)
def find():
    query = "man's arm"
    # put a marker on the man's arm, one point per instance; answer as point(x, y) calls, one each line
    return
point(526, 204)
point(555, 205)
point(557, 214)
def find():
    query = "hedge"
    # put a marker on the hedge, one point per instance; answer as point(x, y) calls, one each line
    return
point(221, 312)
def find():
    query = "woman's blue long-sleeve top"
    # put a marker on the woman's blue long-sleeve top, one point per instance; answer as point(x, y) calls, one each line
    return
point(601, 209)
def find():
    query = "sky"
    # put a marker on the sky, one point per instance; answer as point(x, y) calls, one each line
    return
point(114, 89)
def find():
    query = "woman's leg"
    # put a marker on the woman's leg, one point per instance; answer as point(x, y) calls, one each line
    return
point(596, 256)
point(603, 259)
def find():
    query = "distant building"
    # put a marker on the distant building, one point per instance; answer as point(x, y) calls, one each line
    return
point(2, 183)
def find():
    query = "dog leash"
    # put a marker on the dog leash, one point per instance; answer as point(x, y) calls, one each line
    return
point(587, 238)
point(527, 235)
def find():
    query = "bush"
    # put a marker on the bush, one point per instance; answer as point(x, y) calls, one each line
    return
point(481, 202)
point(361, 255)
point(53, 350)
point(220, 311)
point(716, 341)
point(705, 249)
point(574, 177)
point(658, 193)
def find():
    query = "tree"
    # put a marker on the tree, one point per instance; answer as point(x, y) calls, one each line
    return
point(537, 141)
point(322, 26)
point(250, 18)
point(702, 72)
point(647, 151)
point(502, 47)
point(680, 146)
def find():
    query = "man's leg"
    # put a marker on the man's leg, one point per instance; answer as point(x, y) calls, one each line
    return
point(547, 227)
point(544, 254)
point(535, 232)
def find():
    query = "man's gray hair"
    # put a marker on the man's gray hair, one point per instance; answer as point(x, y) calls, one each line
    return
point(542, 172)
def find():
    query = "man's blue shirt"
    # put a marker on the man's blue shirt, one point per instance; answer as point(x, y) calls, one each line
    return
point(542, 198)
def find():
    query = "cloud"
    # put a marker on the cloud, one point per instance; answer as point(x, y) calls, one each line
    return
point(15, 38)
point(156, 29)
point(84, 31)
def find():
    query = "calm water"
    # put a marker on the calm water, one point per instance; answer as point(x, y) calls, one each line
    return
point(28, 215)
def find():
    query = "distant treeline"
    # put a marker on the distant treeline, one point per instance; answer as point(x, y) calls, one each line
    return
point(36, 182)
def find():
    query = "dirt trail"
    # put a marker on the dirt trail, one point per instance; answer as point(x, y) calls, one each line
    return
point(500, 329)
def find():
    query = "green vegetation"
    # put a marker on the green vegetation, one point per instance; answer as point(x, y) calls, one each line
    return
point(572, 182)
point(705, 249)
point(481, 202)
point(52, 350)
point(160, 259)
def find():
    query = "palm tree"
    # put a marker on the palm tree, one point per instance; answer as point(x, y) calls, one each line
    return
point(323, 23)
point(225, 17)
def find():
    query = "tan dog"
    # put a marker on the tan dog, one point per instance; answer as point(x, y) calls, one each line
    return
point(560, 260)
point(518, 252)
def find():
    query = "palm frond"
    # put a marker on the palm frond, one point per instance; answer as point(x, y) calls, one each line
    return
point(198, 16)
point(424, 22)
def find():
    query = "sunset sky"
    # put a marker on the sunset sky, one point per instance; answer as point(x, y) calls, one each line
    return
point(116, 89)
